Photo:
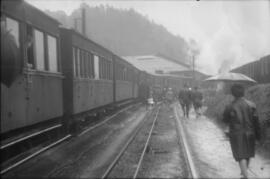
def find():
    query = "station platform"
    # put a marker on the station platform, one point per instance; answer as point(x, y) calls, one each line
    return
point(212, 151)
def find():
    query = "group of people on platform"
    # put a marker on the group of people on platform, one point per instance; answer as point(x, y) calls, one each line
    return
point(187, 97)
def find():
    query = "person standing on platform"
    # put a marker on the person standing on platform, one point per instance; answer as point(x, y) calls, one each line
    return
point(169, 96)
point(197, 98)
point(185, 98)
point(244, 127)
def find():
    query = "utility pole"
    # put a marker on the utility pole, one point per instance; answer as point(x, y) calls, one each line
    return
point(193, 68)
point(83, 22)
point(76, 23)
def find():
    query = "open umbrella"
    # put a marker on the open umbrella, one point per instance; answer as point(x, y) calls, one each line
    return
point(231, 77)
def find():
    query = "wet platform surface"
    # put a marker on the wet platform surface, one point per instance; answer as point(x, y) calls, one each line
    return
point(212, 152)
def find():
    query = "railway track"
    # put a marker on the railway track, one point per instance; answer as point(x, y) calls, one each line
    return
point(183, 140)
point(10, 165)
point(104, 121)
point(147, 128)
point(129, 141)
point(136, 170)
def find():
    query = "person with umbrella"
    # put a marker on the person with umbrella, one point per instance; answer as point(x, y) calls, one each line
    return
point(242, 117)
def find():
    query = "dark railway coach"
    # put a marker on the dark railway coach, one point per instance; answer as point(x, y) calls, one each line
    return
point(125, 80)
point(31, 78)
point(88, 70)
point(259, 70)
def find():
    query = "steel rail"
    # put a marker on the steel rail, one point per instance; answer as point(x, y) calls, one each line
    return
point(112, 165)
point(182, 138)
point(106, 120)
point(145, 146)
point(33, 155)
point(53, 144)
point(87, 130)
point(30, 136)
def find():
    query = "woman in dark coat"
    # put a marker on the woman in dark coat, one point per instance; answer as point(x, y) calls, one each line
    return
point(244, 127)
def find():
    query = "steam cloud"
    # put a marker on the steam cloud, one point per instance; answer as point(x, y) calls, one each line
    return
point(243, 36)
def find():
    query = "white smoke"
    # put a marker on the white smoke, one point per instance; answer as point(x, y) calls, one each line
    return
point(243, 37)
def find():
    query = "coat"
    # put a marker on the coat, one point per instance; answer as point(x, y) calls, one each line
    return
point(197, 98)
point(243, 122)
point(169, 95)
point(185, 96)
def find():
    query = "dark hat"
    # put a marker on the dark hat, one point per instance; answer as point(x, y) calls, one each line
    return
point(237, 90)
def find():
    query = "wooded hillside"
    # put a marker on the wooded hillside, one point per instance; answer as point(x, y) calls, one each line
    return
point(126, 32)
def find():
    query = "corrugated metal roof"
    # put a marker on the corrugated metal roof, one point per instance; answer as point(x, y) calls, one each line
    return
point(152, 63)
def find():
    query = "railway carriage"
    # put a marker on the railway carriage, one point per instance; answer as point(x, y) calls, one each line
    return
point(125, 80)
point(259, 70)
point(88, 68)
point(135, 83)
point(143, 85)
point(31, 88)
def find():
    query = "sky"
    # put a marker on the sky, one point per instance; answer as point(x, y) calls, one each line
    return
point(229, 33)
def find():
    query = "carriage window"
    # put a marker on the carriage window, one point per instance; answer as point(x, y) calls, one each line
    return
point(52, 53)
point(78, 62)
point(39, 49)
point(109, 72)
point(87, 66)
point(261, 67)
point(101, 67)
point(124, 74)
point(86, 71)
point(91, 65)
point(12, 27)
point(120, 72)
point(81, 64)
point(96, 66)
point(104, 68)
point(74, 54)
point(29, 46)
